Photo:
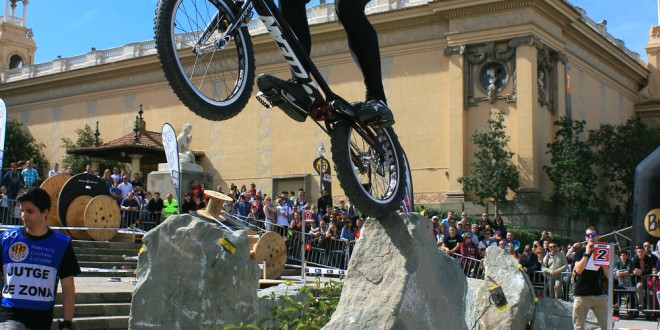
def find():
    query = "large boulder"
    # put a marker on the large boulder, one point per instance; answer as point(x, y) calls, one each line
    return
point(558, 314)
point(398, 279)
point(501, 269)
point(188, 280)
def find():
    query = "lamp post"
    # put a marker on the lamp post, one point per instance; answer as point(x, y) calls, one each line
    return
point(321, 154)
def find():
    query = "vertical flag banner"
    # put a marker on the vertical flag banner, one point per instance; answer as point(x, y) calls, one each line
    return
point(3, 130)
point(172, 154)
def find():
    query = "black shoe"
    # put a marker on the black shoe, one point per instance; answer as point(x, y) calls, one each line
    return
point(294, 98)
point(376, 112)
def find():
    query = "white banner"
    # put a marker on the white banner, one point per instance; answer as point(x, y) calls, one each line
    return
point(172, 154)
point(3, 130)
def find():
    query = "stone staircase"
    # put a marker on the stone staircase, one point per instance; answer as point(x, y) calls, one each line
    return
point(106, 258)
point(99, 308)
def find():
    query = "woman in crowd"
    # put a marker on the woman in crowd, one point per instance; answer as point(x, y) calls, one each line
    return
point(442, 232)
point(499, 226)
point(270, 212)
point(107, 178)
point(348, 232)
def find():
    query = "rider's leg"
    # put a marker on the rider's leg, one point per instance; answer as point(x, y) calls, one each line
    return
point(295, 14)
point(363, 42)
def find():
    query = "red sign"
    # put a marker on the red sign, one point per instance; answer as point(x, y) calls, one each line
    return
point(601, 254)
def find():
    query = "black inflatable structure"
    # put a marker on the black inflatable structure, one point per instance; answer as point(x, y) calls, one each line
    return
point(646, 203)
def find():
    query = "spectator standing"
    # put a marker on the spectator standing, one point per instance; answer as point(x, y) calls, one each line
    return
point(511, 249)
point(301, 202)
point(107, 178)
point(324, 201)
point(270, 213)
point(155, 208)
point(13, 180)
point(55, 171)
point(69, 170)
point(116, 176)
point(21, 310)
point(242, 206)
point(474, 233)
point(358, 223)
point(588, 289)
point(5, 213)
point(449, 220)
point(642, 266)
point(30, 175)
point(529, 261)
point(485, 221)
point(284, 215)
point(499, 226)
point(553, 264)
point(129, 210)
point(649, 252)
point(170, 206)
point(487, 240)
point(442, 233)
point(348, 232)
point(125, 186)
point(187, 205)
point(136, 182)
point(115, 193)
point(510, 239)
point(451, 242)
point(623, 269)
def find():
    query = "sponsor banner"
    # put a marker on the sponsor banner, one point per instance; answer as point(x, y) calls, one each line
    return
point(172, 154)
point(3, 130)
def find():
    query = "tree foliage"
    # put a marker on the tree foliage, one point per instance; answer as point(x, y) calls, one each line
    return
point(618, 151)
point(85, 138)
point(492, 171)
point(571, 171)
point(20, 145)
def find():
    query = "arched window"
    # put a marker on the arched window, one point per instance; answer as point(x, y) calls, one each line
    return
point(15, 61)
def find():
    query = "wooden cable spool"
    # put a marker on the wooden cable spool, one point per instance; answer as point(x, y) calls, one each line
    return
point(102, 212)
point(268, 247)
point(53, 186)
point(76, 193)
point(271, 249)
point(75, 215)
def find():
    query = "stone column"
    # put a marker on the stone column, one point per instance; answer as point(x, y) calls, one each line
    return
point(135, 162)
point(456, 136)
point(528, 115)
point(95, 162)
point(25, 4)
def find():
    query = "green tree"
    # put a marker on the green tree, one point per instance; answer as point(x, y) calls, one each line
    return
point(85, 139)
point(618, 151)
point(492, 172)
point(571, 171)
point(20, 145)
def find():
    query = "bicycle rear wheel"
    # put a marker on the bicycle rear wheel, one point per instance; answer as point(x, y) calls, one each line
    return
point(213, 82)
point(370, 167)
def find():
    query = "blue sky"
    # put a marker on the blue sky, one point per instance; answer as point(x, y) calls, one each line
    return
point(73, 27)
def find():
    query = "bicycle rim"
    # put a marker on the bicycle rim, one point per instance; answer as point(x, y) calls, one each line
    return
point(370, 167)
point(217, 76)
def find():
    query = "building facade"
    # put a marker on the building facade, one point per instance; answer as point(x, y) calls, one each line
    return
point(446, 66)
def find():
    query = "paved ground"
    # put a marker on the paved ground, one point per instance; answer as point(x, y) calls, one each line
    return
point(635, 324)
point(102, 284)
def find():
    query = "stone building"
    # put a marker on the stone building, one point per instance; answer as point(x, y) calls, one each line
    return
point(446, 65)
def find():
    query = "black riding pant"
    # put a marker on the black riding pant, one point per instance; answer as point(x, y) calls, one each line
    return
point(362, 37)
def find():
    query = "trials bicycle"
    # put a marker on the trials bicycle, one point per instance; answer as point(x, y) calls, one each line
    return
point(206, 54)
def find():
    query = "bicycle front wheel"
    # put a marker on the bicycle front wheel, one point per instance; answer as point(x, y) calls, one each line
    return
point(370, 167)
point(212, 77)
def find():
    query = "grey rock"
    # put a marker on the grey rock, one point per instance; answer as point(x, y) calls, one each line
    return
point(470, 303)
point(273, 296)
point(398, 279)
point(557, 314)
point(187, 280)
point(502, 269)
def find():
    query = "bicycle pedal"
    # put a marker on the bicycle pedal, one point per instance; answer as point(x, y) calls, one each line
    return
point(263, 100)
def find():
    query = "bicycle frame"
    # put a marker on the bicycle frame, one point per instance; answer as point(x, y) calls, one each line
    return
point(299, 61)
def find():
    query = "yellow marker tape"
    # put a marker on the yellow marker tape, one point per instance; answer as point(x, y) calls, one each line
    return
point(227, 245)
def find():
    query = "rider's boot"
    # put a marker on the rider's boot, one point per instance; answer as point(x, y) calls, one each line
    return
point(293, 97)
point(376, 112)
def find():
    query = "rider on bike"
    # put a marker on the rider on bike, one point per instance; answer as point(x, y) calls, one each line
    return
point(363, 42)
